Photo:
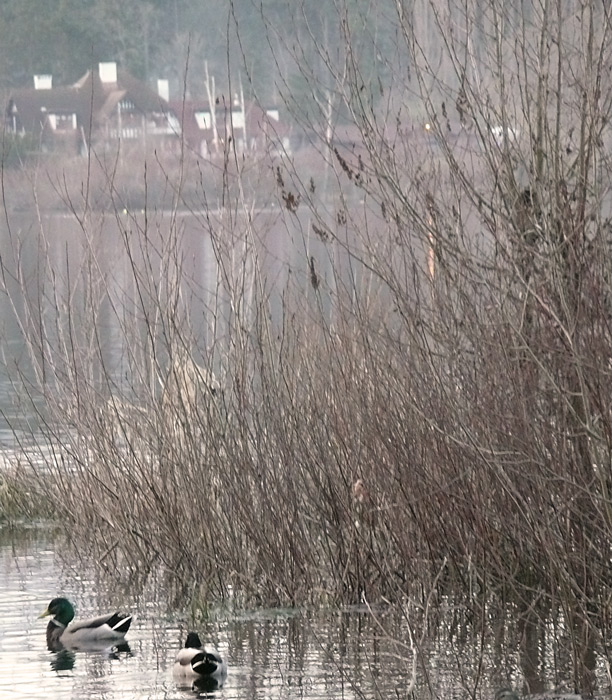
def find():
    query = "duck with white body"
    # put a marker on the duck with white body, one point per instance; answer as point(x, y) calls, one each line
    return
point(200, 665)
point(94, 633)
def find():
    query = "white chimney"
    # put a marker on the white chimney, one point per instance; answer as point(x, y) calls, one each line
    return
point(108, 72)
point(43, 82)
point(163, 89)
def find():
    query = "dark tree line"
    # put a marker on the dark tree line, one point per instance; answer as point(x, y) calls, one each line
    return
point(173, 39)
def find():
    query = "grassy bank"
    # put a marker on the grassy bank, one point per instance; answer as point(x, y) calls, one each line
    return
point(21, 499)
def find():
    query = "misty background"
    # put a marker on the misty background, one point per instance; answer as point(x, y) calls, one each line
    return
point(175, 39)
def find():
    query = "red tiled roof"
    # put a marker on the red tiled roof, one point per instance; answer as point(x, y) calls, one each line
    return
point(90, 99)
point(258, 122)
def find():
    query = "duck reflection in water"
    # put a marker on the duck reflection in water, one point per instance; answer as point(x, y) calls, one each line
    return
point(199, 685)
point(509, 694)
point(64, 659)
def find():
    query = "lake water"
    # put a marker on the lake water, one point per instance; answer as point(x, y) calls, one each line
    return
point(271, 653)
point(214, 254)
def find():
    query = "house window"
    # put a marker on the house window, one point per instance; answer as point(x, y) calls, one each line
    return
point(62, 122)
point(126, 106)
point(174, 124)
point(238, 119)
point(203, 120)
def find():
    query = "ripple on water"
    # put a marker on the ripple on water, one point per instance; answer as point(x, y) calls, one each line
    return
point(271, 653)
point(284, 654)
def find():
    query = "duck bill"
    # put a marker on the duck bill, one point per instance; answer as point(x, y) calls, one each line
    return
point(44, 613)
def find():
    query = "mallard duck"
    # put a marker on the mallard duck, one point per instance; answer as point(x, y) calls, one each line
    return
point(97, 632)
point(197, 662)
point(506, 694)
point(509, 694)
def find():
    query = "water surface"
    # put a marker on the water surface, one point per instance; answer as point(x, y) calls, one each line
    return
point(271, 653)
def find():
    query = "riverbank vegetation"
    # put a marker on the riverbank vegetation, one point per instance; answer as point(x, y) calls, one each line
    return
point(21, 498)
point(418, 401)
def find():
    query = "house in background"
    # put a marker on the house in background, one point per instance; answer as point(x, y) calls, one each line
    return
point(207, 130)
point(100, 109)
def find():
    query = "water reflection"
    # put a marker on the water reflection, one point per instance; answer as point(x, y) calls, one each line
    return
point(288, 654)
point(55, 248)
point(270, 653)
point(199, 685)
point(63, 660)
